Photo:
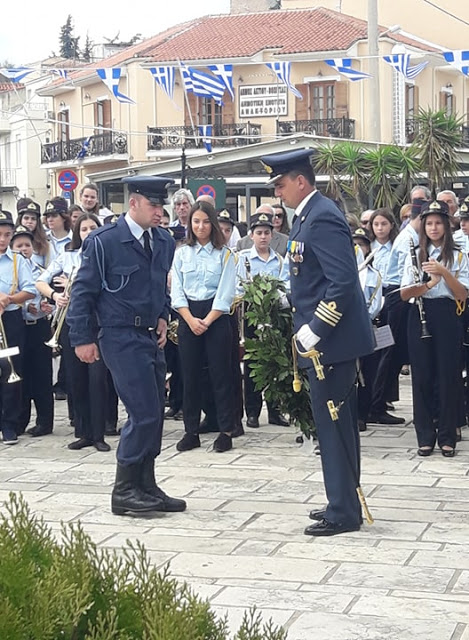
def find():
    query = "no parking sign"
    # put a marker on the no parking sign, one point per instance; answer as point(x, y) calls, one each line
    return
point(214, 187)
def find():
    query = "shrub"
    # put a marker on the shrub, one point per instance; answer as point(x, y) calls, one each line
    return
point(74, 591)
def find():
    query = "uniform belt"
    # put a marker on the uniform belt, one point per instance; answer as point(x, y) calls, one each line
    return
point(30, 322)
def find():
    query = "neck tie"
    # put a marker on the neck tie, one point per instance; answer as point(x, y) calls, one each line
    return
point(146, 243)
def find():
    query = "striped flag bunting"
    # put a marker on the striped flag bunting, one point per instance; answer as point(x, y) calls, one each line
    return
point(202, 84)
point(164, 78)
point(205, 131)
point(401, 63)
point(111, 78)
point(282, 71)
point(16, 74)
point(344, 67)
point(458, 59)
point(224, 72)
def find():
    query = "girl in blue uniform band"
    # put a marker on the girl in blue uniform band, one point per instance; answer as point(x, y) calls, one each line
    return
point(29, 216)
point(85, 382)
point(437, 385)
point(202, 291)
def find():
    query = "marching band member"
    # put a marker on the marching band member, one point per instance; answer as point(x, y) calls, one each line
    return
point(58, 223)
point(441, 279)
point(262, 259)
point(29, 216)
point(202, 291)
point(461, 238)
point(329, 314)
point(85, 382)
point(36, 356)
point(383, 232)
point(16, 288)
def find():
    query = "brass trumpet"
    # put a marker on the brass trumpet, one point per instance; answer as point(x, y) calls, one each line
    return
point(61, 312)
point(173, 331)
point(7, 352)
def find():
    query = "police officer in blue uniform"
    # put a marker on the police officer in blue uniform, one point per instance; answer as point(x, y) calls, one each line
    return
point(330, 315)
point(120, 301)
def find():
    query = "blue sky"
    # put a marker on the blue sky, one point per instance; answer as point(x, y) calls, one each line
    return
point(33, 35)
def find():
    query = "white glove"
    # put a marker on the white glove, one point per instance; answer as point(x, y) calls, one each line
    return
point(307, 337)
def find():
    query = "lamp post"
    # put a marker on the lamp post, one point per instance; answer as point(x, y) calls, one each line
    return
point(373, 51)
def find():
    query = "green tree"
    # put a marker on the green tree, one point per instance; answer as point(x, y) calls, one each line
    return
point(69, 44)
point(438, 136)
point(88, 49)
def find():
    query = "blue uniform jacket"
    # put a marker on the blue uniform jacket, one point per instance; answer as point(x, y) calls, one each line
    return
point(325, 289)
point(116, 285)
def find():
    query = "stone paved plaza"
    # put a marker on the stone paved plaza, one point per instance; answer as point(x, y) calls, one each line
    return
point(241, 540)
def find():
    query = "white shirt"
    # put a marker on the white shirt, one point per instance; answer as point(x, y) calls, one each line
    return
point(137, 231)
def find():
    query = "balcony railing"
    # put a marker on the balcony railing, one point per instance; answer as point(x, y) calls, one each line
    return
point(328, 127)
point(7, 177)
point(103, 144)
point(227, 135)
point(411, 127)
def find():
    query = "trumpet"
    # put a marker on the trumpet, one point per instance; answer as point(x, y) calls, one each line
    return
point(7, 352)
point(173, 331)
point(61, 312)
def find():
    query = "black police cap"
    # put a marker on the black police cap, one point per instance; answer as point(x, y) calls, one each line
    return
point(279, 164)
point(6, 218)
point(22, 231)
point(154, 188)
point(437, 206)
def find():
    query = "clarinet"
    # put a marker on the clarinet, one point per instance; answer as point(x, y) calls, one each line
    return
point(418, 300)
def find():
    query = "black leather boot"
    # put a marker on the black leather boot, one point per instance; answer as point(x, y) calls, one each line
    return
point(127, 496)
point(149, 486)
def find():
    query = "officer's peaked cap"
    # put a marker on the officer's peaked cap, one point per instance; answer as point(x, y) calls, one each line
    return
point(26, 205)
point(279, 164)
point(261, 220)
point(437, 206)
point(6, 218)
point(155, 188)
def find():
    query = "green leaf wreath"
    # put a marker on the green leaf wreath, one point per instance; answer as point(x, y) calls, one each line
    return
point(270, 352)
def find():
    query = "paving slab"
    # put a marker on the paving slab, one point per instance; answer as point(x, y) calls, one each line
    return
point(241, 540)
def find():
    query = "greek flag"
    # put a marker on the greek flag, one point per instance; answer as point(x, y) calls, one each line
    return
point(225, 73)
point(205, 131)
point(344, 66)
point(458, 59)
point(164, 77)
point(282, 71)
point(84, 148)
point(62, 73)
point(16, 74)
point(111, 78)
point(401, 63)
point(202, 84)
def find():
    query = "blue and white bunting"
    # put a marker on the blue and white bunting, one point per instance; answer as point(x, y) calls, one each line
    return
point(202, 84)
point(62, 73)
point(401, 63)
point(205, 131)
point(16, 74)
point(458, 59)
point(344, 67)
point(84, 148)
point(164, 78)
point(282, 71)
point(225, 73)
point(111, 78)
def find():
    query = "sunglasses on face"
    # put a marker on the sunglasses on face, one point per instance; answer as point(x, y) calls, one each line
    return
point(278, 215)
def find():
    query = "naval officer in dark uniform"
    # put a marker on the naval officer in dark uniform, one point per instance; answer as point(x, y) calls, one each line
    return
point(119, 309)
point(330, 315)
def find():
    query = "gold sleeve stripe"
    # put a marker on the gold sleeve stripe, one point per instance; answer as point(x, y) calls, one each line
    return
point(330, 309)
point(332, 323)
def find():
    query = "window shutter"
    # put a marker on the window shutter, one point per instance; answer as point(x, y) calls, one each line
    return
point(107, 120)
point(194, 110)
point(341, 100)
point(301, 106)
point(228, 109)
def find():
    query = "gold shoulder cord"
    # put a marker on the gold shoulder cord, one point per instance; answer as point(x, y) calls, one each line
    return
point(460, 304)
point(14, 284)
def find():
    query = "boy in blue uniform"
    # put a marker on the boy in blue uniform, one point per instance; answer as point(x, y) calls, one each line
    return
point(120, 300)
point(329, 314)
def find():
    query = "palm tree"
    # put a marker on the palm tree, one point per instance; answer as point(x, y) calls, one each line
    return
point(437, 138)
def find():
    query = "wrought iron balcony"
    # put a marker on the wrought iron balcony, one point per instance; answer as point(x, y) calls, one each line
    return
point(103, 144)
point(227, 135)
point(7, 177)
point(328, 127)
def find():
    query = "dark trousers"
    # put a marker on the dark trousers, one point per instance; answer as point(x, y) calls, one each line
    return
point(392, 358)
point(214, 348)
point(173, 363)
point(437, 385)
point(252, 396)
point(138, 370)
point(87, 385)
point(368, 367)
point(339, 440)
point(11, 393)
point(37, 376)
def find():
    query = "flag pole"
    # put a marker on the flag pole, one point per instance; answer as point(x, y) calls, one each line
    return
point(196, 137)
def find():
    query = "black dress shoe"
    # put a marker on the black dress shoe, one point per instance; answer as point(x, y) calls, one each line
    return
point(386, 418)
point(238, 431)
point(278, 419)
point(81, 443)
point(361, 426)
point(317, 515)
point(223, 443)
point(252, 422)
point(448, 453)
point(37, 431)
point(188, 442)
point(172, 413)
point(326, 528)
point(110, 431)
point(102, 446)
point(60, 395)
point(425, 452)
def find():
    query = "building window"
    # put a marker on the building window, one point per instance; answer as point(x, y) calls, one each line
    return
point(323, 100)
point(211, 113)
point(102, 115)
point(64, 126)
point(411, 103)
point(448, 104)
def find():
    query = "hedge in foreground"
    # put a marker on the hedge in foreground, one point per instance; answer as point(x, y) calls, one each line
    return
point(73, 591)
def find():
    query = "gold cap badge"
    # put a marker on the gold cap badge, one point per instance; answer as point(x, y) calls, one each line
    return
point(263, 218)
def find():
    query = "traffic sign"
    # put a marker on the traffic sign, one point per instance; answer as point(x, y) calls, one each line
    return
point(68, 180)
point(206, 190)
